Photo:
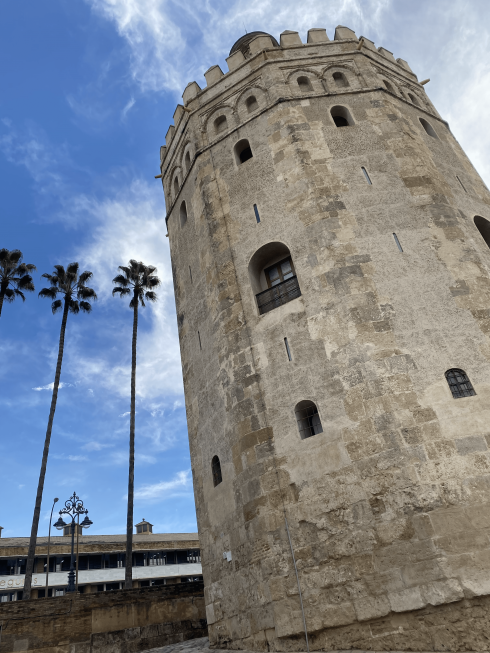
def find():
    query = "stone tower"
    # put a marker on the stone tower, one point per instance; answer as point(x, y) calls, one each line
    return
point(330, 249)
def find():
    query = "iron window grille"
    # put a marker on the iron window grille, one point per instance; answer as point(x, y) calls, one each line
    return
point(460, 384)
point(308, 420)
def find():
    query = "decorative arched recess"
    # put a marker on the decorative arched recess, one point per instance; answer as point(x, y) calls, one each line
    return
point(187, 157)
point(313, 79)
point(352, 75)
point(273, 277)
point(209, 125)
point(242, 109)
point(176, 182)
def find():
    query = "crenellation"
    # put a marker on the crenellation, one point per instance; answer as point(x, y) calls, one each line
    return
point(343, 33)
point(235, 60)
point(178, 113)
point(290, 39)
point(191, 91)
point(169, 136)
point(387, 54)
point(317, 35)
point(259, 44)
point(213, 75)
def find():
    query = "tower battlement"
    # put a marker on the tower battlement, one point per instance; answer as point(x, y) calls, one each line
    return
point(262, 49)
point(330, 246)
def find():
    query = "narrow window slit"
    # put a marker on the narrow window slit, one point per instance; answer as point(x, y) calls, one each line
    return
point(397, 242)
point(368, 178)
point(462, 185)
point(256, 210)
point(288, 351)
point(190, 273)
point(199, 336)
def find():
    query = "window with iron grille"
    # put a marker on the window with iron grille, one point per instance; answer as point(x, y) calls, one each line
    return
point(216, 469)
point(308, 419)
point(459, 383)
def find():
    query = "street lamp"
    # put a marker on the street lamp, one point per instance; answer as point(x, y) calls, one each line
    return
point(73, 509)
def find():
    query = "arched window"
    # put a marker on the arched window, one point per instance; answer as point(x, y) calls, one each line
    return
point(483, 227)
point(187, 161)
point(389, 86)
point(243, 151)
point(251, 104)
point(340, 79)
point(176, 186)
point(308, 419)
point(414, 99)
point(183, 214)
point(220, 124)
point(273, 277)
point(459, 383)
point(341, 116)
point(304, 84)
point(428, 127)
point(216, 469)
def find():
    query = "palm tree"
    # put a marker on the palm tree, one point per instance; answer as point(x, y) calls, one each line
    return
point(14, 276)
point(73, 289)
point(140, 280)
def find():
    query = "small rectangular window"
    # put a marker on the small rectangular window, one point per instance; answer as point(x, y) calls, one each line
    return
point(397, 242)
point(288, 351)
point(368, 179)
point(199, 336)
point(462, 185)
point(190, 273)
point(256, 210)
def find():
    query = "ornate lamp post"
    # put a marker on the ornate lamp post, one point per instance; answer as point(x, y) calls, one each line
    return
point(73, 508)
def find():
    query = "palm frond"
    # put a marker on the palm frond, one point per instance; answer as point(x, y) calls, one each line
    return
point(84, 277)
point(4, 254)
point(134, 302)
point(74, 306)
point(19, 293)
point(72, 269)
point(60, 271)
point(86, 307)
point(86, 293)
point(56, 306)
point(121, 291)
point(15, 256)
point(151, 296)
point(30, 266)
point(153, 282)
point(9, 295)
point(127, 271)
point(25, 283)
point(50, 293)
point(121, 280)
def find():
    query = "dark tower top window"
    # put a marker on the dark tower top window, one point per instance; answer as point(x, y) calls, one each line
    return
point(243, 151)
point(483, 227)
point(216, 469)
point(308, 419)
point(339, 79)
point(459, 383)
point(341, 116)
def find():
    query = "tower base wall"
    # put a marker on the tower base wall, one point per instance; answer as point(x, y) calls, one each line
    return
point(459, 626)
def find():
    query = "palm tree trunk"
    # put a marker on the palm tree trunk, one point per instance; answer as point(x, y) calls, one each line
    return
point(2, 295)
point(128, 582)
point(39, 496)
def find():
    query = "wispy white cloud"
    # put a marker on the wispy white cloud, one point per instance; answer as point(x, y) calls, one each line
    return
point(96, 446)
point(172, 44)
point(50, 386)
point(180, 484)
point(127, 108)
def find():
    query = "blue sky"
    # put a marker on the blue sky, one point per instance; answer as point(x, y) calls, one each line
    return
point(89, 88)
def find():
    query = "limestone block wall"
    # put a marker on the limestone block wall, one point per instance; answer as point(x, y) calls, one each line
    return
point(388, 507)
point(125, 621)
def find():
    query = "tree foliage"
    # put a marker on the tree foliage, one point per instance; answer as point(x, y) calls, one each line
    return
point(15, 276)
point(72, 286)
point(138, 278)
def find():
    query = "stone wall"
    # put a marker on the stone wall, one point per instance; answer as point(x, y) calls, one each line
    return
point(125, 621)
point(388, 507)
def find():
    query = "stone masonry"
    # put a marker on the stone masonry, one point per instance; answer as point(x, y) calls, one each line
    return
point(388, 507)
